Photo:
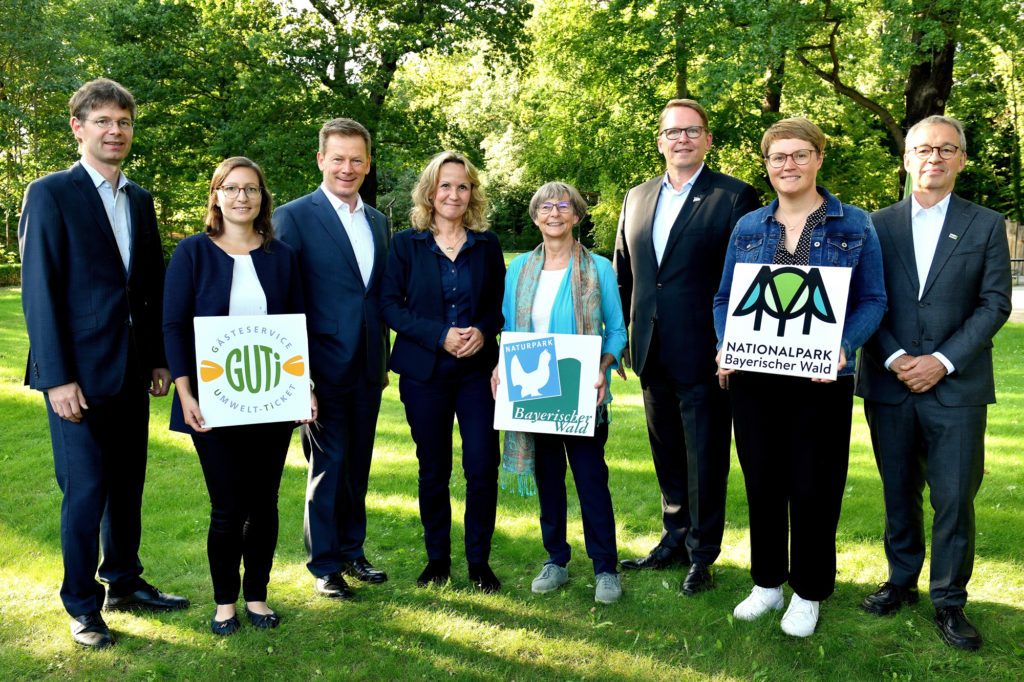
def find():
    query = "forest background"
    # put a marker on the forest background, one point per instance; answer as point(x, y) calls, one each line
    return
point(531, 92)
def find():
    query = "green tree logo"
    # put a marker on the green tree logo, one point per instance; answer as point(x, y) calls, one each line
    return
point(786, 294)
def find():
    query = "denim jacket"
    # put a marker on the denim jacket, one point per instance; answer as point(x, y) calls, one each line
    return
point(846, 239)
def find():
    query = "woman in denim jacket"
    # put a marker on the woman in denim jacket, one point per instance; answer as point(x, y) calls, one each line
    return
point(793, 433)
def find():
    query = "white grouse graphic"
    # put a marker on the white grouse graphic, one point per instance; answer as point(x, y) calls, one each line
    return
point(530, 383)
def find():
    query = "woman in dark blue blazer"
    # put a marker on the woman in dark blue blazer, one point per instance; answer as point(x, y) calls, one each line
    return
point(442, 294)
point(234, 267)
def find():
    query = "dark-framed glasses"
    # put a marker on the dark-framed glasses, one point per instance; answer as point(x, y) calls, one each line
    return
point(231, 191)
point(692, 132)
point(104, 123)
point(547, 207)
point(924, 151)
point(801, 157)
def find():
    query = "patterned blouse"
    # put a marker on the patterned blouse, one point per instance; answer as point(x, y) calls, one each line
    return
point(802, 255)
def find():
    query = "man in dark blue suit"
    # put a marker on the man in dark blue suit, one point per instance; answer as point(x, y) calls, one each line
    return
point(342, 245)
point(92, 284)
point(926, 375)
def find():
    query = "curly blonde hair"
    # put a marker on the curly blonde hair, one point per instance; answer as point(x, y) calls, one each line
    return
point(422, 214)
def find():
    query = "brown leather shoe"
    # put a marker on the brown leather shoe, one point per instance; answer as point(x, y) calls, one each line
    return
point(889, 598)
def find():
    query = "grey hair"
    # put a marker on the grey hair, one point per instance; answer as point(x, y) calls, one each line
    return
point(555, 190)
point(941, 120)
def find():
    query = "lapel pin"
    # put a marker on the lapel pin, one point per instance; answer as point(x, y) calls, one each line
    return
point(696, 199)
point(953, 236)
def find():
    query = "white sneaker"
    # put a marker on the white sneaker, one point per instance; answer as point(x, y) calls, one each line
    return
point(800, 617)
point(551, 577)
point(761, 601)
point(608, 588)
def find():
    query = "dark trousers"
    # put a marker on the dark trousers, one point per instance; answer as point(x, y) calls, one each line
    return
point(100, 464)
point(339, 447)
point(921, 440)
point(793, 442)
point(589, 471)
point(242, 466)
point(431, 407)
point(689, 426)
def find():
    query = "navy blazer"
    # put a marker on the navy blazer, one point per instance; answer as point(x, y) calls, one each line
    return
point(199, 285)
point(966, 300)
point(412, 303)
point(342, 314)
point(82, 308)
point(679, 293)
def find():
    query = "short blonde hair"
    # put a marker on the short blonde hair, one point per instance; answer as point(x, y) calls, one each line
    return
point(556, 190)
point(686, 104)
point(422, 214)
point(793, 129)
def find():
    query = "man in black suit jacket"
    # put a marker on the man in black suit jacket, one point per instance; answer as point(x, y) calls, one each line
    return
point(92, 285)
point(926, 374)
point(342, 245)
point(669, 253)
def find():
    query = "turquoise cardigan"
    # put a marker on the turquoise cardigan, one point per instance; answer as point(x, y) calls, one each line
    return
point(563, 320)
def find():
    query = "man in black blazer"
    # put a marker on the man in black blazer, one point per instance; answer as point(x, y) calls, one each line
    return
point(669, 252)
point(926, 374)
point(342, 245)
point(92, 284)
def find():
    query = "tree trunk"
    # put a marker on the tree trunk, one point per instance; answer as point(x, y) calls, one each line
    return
point(682, 54)
point(773, 80)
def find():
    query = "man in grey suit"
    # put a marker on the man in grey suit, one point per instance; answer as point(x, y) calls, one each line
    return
point(342, 245)
point(926, 374)
point(669, 252)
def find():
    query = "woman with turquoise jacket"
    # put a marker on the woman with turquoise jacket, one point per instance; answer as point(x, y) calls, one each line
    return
point(562, 288)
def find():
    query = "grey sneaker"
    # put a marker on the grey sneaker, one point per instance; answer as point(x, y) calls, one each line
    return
point(551, 577)
point(608, 588)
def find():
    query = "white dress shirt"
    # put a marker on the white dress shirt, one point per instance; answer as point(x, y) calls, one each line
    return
point(247, 296)
point(115, 202)
point(926, 226)
point(357, 227)
point(670, 202)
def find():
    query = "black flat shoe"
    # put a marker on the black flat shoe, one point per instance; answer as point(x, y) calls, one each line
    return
point(698, 579)
point(224, 627)
point(263, 621)
point(363, 570)
point(889, 598)
point(89, 630)
point(955, 629)
point(660, 558)
point(437, 572)
point(334, 586)
point(483, 578)
point(146, 598)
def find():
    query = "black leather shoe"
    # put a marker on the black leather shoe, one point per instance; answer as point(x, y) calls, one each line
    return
point(362, 570)
point(334, 586)
point(955, 629)
point(263, 621)
point(481, 575)
point(146, 598)
point(889, 598)
point(661, 557)
point(698, 579)
point(437, 572)
point(224, 627)
point(90, 630)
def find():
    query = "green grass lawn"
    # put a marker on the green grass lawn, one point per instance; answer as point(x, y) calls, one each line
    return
point(398, 631)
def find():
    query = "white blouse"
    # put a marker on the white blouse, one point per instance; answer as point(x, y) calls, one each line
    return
point(247, 297)
point(544, 298)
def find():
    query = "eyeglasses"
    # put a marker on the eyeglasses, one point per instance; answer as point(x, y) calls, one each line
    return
point(547, 207)
point(230, 191)
point(801, 157)
point(124, 124)
point(924, 151)
point(692, 132)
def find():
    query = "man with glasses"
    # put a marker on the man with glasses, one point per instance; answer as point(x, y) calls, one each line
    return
point(926, 374)
point(92, 286)
point(669, 252)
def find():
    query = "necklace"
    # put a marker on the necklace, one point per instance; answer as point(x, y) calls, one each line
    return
point(450, 247)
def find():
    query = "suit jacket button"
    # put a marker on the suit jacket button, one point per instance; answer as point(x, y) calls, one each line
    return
point(914, 343)
point(654, 318)
point(659, 286)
